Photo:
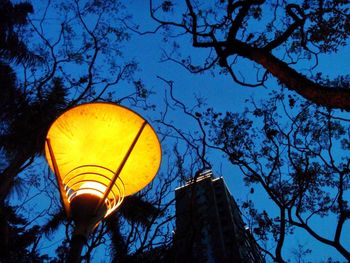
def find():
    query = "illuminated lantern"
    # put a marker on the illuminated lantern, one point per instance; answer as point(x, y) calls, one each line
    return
point(100, 152)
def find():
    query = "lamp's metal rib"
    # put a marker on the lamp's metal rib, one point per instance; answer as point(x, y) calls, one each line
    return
point(122, 164)
point(64, 198)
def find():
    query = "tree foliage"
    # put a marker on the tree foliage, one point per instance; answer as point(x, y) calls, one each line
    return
point(41, 83)
point(57, 54)
point(292, 152)
point(275, 35)
point(12, 48)
point(18, 241)
point(54, 55)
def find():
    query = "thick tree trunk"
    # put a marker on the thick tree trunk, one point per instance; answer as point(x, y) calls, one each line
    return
point(331, 97)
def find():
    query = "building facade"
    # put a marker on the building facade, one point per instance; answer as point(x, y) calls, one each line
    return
point(209, 226)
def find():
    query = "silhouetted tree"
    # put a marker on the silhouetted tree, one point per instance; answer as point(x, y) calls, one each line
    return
point(47, 84)
point(19, 120)
point(23, 116)
point(286, 147)
point(276, 35)
point(47, 65)
point(18, 241)
point(293, 151)
point(12, 48)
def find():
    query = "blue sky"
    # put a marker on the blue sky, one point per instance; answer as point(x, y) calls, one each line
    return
point(223, 94)
point(219, 92)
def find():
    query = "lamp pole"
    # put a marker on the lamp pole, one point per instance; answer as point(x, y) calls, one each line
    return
point(86, 218)
point(76, 246)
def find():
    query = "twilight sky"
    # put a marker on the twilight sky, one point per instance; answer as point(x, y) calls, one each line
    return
point(219, 92)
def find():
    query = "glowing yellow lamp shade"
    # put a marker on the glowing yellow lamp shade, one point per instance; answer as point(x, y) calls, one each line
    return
point(102, 149)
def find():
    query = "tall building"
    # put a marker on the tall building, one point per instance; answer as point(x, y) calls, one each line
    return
point(209, 226)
